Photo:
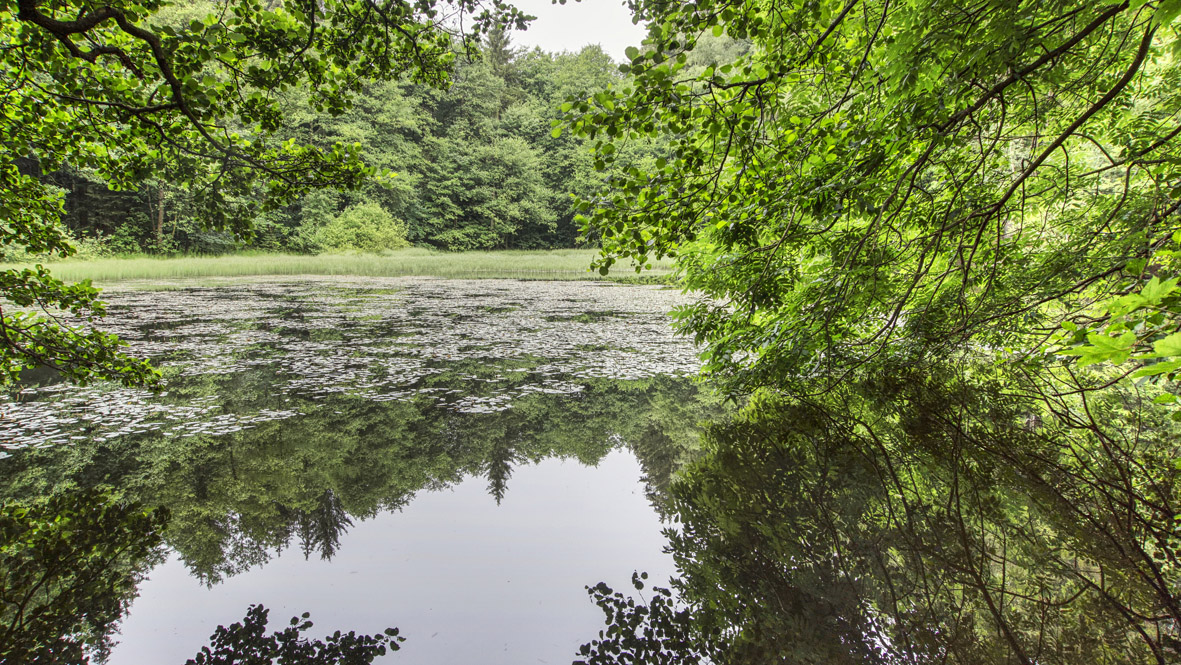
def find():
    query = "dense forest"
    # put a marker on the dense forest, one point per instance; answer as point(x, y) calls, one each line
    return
point(472, 166)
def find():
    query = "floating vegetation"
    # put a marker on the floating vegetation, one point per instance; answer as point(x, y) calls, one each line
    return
point(471, 346)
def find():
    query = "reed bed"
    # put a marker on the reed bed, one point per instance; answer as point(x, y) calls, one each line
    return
point(563, 264)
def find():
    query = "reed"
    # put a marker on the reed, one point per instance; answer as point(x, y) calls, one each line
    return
point(560, 264)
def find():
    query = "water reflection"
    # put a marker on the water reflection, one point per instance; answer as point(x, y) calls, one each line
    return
point(933, 514)
point(300, 417)
point(465, 580)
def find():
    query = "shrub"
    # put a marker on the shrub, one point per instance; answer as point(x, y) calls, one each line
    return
point(365, 227)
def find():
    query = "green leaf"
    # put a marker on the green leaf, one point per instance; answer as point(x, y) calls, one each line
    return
point(1156, 369)
point(1155, 290)
point(1104, 348)
point(1169, 346)
point(1122, 343)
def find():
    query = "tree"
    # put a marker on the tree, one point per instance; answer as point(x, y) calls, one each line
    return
point(944, 233)
point(918, 517)
point(116, 89)
point(875, 182)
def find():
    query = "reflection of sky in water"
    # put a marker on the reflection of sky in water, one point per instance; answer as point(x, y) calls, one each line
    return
point(292, 403)
point(465, 580)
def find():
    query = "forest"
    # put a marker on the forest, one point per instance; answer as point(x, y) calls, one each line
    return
point(470, 167)
point(931, 255)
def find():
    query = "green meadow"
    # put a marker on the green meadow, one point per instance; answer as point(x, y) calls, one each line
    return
point(560, 264)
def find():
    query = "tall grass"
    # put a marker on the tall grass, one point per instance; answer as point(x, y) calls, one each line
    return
point(562, 264)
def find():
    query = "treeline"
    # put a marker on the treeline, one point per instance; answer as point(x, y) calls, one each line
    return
point(475, 166)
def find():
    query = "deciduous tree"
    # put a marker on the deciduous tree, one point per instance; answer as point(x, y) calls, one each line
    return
point(113, 88)
point(879, 181)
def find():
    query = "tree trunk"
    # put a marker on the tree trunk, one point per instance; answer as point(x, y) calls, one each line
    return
point(160, 218)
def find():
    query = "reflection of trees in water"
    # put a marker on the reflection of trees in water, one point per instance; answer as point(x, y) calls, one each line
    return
point(238, 499)
point(499, 462)
point(319, 529)
point(937, 518)
point(69, 565)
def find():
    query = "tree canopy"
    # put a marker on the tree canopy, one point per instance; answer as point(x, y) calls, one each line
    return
point(133, 93)
point(939, 243)
point(873, 181)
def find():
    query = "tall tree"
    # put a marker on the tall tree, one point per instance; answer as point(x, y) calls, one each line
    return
point(943, 232)
point(104, 86)
point(499, 51)
point(878, 181)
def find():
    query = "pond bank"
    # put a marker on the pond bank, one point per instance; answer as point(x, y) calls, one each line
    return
point(562, 264)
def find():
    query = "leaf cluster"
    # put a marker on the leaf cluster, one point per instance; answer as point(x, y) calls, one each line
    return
point(873, 182)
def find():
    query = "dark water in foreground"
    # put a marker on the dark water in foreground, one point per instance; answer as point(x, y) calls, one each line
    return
point(454, 458)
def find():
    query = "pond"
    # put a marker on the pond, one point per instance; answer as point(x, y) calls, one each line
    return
point(457, 458)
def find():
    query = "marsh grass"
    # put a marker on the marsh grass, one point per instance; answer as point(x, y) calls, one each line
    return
point(561, 264)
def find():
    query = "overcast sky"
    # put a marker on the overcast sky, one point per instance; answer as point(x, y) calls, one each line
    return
point(573, 25)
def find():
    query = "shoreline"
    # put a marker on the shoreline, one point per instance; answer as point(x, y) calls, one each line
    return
point(549, 265)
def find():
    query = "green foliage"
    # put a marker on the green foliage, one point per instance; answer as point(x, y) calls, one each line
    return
point(69, 566)
point(134, 97)
point(365, 227)
point(482, 197)
point(652, 633)
point(881, 182)
point(68, 569)
point(31, 339)
point(471, 166)
point(931, 515)
point(247, 642)
point(1137, 323)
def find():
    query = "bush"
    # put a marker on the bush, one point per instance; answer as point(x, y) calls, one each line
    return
point(365, 227)
point(85, 247)
point(124, 240)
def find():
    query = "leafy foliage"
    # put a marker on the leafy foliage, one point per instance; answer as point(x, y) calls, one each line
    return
point(473, 165)
point(246, 643)
point(366, 227)
point(1139, 325)
point(929, 516)
point(874, 182)
point(69, 565)
point(68, 569)
point(651, 633)
point(935, 238)
point(134, 98)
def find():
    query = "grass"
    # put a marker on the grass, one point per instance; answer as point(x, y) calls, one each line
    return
point(560, 264)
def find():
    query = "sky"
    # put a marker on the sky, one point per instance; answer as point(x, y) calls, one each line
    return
point(573, 25)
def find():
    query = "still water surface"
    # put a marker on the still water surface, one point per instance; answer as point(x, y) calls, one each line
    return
point(454, 458)
point(466, 580)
